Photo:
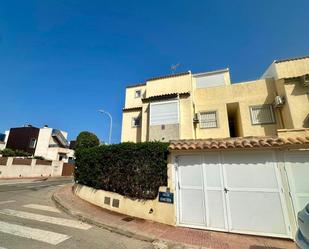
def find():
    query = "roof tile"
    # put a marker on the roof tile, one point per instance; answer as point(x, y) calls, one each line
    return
point(242, 142)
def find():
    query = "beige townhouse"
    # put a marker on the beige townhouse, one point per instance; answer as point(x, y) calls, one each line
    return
point(239, 152)
point(207, 105)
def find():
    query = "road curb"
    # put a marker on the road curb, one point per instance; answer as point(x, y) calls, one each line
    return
point(82, 217)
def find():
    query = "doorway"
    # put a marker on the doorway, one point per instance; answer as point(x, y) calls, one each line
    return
point(234, 119)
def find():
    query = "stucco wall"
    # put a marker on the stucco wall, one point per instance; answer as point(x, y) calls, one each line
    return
point(170, 132)
point(130, 100)
point(186, 118)
point(128, 132)
point(43, 142)
point(298, 102)
point(11, 170)
point(216, 98)
point(285, 133)
point(149, 210)
point(287, 69)
point(292, 68)
point(2, 146)
point(178, 84)
point(247, 94)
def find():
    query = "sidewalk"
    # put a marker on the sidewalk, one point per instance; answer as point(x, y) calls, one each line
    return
point(10, 181)
point(149, 231)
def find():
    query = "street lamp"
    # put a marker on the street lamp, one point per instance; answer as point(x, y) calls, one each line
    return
point(111, 124)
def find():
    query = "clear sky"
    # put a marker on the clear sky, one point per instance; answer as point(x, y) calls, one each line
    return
point(61, 61)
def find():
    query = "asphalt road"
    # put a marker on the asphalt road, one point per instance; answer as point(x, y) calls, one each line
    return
point(30, 220)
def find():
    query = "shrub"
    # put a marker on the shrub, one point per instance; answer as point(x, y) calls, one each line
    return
point(86, 139)
point(39, 157)
point(7, 152)
point(12, 153)
point(135, 170)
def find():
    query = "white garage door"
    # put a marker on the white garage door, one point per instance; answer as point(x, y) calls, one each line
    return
point(297, 168)
point(232, 191)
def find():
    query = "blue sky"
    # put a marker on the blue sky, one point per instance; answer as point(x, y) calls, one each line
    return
point(61, 61)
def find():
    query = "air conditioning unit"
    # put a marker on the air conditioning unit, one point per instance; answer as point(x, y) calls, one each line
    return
point(279, 101)
point(195, 118)
point(305, 80)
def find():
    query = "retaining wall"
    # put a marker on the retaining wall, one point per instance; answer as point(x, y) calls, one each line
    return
point(150, 209)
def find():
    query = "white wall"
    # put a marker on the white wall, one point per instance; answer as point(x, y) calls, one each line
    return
point(43, 148)
point(3, 145)
point(34, 170)
point(43, 142)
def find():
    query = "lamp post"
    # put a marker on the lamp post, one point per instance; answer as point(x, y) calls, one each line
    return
point(111, 124)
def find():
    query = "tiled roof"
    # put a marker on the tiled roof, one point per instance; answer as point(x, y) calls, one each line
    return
point(169, 76)
point(166, 96)
point(292, 59)
point(136, 85)
point(233, 143)
point(132, 109)
point(158, 78)
point(289, 79)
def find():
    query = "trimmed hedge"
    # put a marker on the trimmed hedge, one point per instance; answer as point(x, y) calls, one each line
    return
point(135, 170)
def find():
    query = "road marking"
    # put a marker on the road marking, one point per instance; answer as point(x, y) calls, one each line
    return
point(4, 202)
point(45, 218)
point(42, 207)
point(33, 233)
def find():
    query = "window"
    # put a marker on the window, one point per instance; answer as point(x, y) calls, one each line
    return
point(164, 113)
point(138, 93)
point(136, 122)
point(262, 114)
point(208, 119)
point(32, 143)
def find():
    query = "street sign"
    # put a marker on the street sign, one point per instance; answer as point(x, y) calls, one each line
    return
point(166, 197)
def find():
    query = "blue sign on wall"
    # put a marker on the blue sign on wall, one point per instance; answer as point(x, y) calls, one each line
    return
point(166, 197)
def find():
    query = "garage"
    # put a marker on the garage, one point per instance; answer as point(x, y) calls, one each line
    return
point(234, 191)
point(297, 170)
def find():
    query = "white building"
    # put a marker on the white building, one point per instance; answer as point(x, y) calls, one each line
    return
point(49, 143)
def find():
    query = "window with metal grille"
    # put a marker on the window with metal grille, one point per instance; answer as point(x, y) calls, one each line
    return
point(262, 114)
point(208, 119)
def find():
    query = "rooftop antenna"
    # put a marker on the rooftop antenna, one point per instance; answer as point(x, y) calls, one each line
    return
point(174, 67)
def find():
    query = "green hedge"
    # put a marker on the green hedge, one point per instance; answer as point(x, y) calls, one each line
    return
point(135, 170)
point(13, 153)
